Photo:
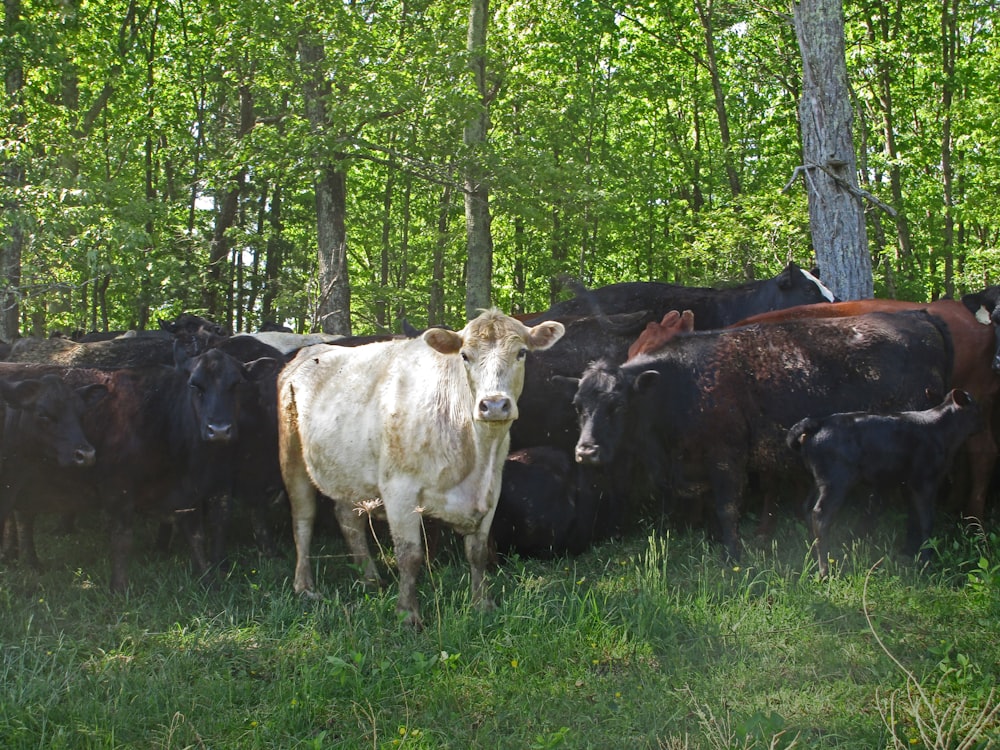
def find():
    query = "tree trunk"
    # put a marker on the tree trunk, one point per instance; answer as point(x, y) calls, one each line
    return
point(381, 301)
point(228, 205)
point(435, 303)
point(274, 258)
point(880, 32)
point(836, 213)
point(705, 15)
point(13, 177)
point(479, 274)
point(333, 311)
point(949, 51)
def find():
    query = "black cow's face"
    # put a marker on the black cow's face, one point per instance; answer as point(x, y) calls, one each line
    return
point(602, 402)
point(213, 380)
point(48, 419)
point(796, 286)
point(995, 322)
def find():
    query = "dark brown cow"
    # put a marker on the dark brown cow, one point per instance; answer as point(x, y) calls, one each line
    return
point(974, 343)
point(715, 406)
point(164, 440)
point(40, 436)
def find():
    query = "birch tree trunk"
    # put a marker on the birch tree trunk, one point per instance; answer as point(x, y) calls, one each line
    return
point(479, 272)
point(836, 211)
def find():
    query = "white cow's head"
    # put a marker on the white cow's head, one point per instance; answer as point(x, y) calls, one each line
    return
point(493, 348)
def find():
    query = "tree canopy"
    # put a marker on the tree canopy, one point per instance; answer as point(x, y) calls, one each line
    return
point(163, 155)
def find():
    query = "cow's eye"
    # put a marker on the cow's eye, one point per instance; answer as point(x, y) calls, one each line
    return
point(523, 353)
point(465, 357)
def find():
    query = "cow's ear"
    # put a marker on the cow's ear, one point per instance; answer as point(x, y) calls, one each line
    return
point(545, 334)
point(20, 395)
point(566, 382)
point(92, 394)
point(445, 342)
point(785, 277)
point(263, 368)
point(646, 380)
point(961, 398)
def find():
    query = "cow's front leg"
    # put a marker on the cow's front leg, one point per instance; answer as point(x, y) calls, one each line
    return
point(406, 526)
point(121, 546)
point(477, 552)
point(354, 526)
point(727, 479)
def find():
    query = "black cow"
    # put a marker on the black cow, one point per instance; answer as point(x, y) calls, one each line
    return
point(164, 439)
point(712, 307)
point(139, 349)
point(712, 406)
point(41, 437)
point(548, 505)
point(603, 323)
point(546, 402)
point(911, 449)
point(256, 483)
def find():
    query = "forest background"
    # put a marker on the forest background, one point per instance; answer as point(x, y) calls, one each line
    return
point(165, 155)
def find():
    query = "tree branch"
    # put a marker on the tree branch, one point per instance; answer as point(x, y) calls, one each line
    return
point(841, 182)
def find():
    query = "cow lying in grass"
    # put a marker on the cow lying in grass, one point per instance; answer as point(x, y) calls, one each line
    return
point(911, 449)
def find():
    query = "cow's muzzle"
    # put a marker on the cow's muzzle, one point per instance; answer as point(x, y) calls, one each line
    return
point(497, 409)
point(84, 456)
point(219, 433)
point(589, 453)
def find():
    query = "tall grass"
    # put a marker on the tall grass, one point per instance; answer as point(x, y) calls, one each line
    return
point(648, 642)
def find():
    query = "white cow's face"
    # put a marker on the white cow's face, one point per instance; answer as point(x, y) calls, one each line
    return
point(493, 348)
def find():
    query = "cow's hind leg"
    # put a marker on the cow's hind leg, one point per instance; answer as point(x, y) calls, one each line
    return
point(302, 502)
point(921, 521)
point(829, 498)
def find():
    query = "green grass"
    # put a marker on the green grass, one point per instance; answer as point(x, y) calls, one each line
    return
point(650, 642)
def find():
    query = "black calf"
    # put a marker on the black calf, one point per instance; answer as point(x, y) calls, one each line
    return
point(911, 449)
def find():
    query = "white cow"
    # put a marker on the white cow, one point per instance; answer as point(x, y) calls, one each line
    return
point(423, 424)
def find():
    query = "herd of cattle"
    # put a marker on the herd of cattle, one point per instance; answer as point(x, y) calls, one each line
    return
point(538, 435)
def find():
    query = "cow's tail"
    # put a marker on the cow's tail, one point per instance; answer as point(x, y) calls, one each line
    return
point(802, 431)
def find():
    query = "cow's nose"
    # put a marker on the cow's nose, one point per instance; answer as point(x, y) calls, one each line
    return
point(496, 409)
point(218, 433)
point(588, 453)
point(85, 456)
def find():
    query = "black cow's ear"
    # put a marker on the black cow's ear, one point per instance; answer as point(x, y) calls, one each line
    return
point(20, 395)
point(92, 394)
point(646, 380)
point(962, 398)
point(263, 368)
point(785, 277)
point(565, 381)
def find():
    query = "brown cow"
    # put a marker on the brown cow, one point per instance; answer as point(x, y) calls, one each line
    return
point(656, 335)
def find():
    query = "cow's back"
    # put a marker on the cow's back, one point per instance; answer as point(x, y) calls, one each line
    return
point(738, 391)
point(363, 412)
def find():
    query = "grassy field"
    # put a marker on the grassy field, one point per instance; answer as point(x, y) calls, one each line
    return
point(650, 642)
